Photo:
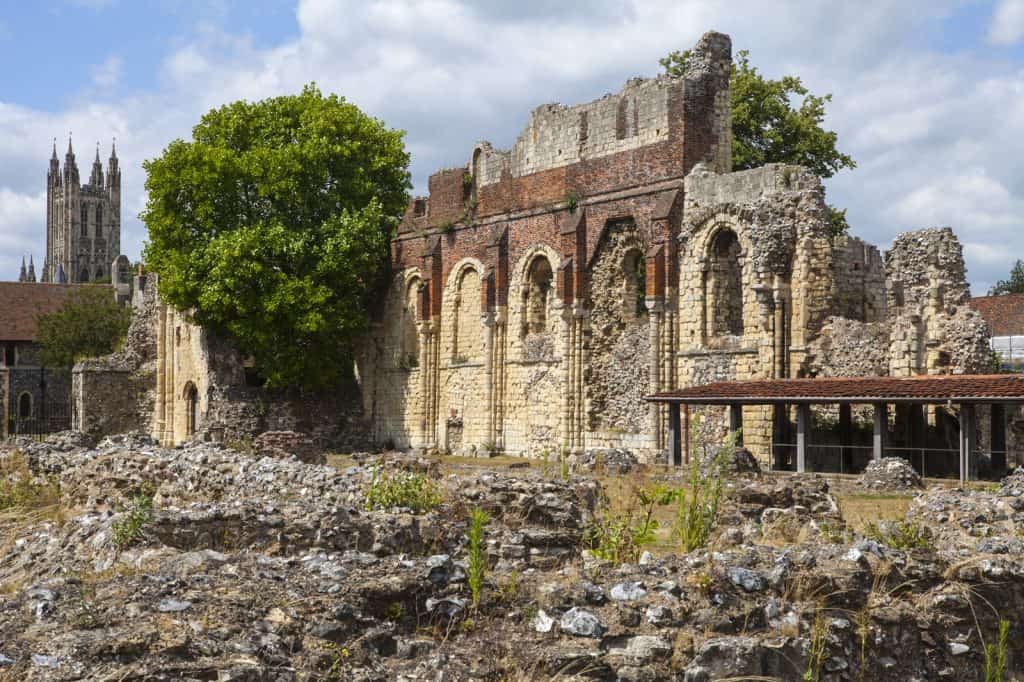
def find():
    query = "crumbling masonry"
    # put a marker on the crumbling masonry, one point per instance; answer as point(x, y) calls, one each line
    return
point(539, 293)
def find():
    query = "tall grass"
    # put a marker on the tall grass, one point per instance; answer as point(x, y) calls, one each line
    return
point(699, 501)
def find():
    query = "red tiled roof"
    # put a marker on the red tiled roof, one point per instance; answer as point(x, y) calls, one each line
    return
point(21, 302)
point(1004, 314)
point(924, 389)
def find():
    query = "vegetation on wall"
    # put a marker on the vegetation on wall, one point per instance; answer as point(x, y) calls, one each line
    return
point(272, 225)
point(89, 324)
point(767, 127)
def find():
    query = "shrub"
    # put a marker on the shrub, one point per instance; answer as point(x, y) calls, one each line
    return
point(403, 489)
point(477, 553)
point(139, 514)
point(619, 537)
point(904, 535)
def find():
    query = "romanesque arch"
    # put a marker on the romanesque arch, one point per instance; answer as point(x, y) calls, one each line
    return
point(534, 304)
point(724, 285)
point(191, 397)
point(25, 405)
point(620, 343)
point(462, 332)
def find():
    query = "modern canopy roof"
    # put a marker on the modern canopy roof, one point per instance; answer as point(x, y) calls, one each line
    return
point(961, 388)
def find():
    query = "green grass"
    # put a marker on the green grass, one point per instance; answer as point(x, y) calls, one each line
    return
point(478, 519)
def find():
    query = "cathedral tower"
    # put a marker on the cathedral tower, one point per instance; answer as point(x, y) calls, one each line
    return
point(83, 222)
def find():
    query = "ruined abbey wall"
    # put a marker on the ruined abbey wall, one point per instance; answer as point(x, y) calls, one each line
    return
point(539, 293)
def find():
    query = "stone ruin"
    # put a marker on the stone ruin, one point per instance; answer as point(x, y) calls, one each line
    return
point(539, 293)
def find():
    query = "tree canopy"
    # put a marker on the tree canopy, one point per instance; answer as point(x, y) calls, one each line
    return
point(273, 224)
point(767, 127)
point(89, 324)
point(1013, 285)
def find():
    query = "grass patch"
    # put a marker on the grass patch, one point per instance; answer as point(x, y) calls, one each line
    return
point(995, 655)
point(407, 489)
point(21, 491)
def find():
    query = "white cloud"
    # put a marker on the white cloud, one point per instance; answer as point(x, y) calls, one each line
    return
point(108, 73)
point(937, 137)
point(1007, 25)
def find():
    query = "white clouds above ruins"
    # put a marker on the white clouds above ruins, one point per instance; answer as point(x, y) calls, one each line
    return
point(937, 127)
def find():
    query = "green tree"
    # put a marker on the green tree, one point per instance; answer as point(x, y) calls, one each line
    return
point(272, 225)
point(1014, 285)
point(89, 324)
point(768, 128)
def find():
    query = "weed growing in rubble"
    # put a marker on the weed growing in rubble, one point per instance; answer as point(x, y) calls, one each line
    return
point(819, 641)
point(564, 459)
point(905, 535)
point(995, 655)
point(619, 537)
point(139, 514)
point(477, 553)
point(20, 490)
point(699, 500)
point(407, 489)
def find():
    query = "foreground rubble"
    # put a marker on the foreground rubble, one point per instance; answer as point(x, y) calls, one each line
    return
point(252, 567)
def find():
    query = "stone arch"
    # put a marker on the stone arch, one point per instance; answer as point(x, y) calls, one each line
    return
point(620, 344)
point(410, 337)
point(85, 219)
point(25, 405)
point(533, 320)
point(460, 312)
point(99, 272)
point(724, 284)
point(83, 276)
point(190, 394)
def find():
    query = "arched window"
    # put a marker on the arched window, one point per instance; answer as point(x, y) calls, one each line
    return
point(634, 272)
point(85, 219)
point(83, 276)
point(25, 405)
point(99, 220)
point(99, 273)
point(536, 296)
point(467, 341)
point(191, 408)
point(725, 286)
point(410, 317)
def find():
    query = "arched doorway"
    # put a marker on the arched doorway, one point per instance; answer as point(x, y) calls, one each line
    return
point(191, 409)
point(25, 406)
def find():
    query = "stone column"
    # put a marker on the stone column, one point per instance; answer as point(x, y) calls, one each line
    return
point(881, 426)
point(654, 324)
point(675, 456)
point(803, 424)
point(487, 320)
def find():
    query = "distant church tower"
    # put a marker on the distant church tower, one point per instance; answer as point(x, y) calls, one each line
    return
point(83, 222)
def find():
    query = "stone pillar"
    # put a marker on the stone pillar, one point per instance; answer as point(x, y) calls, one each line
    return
point(487, 320)
point(568, 374)
point(654, 308)
point(675, 457)
point(803, 425)
point(881, 426)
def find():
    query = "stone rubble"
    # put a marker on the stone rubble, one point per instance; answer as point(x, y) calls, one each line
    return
point(888, 474)
point(267, 568)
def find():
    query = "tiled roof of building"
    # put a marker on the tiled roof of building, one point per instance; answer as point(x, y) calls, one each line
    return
point(923, 389)
point(1004, 314)
point(22, 302)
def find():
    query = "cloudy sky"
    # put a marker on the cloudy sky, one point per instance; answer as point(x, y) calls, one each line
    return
point(928, 96)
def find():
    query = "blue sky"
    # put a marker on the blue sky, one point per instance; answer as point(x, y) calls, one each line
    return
point(928, 97)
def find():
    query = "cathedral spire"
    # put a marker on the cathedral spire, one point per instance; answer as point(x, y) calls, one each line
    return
point(23, 276)
point(31, 269)
point(96, 179)
point(54, 157)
